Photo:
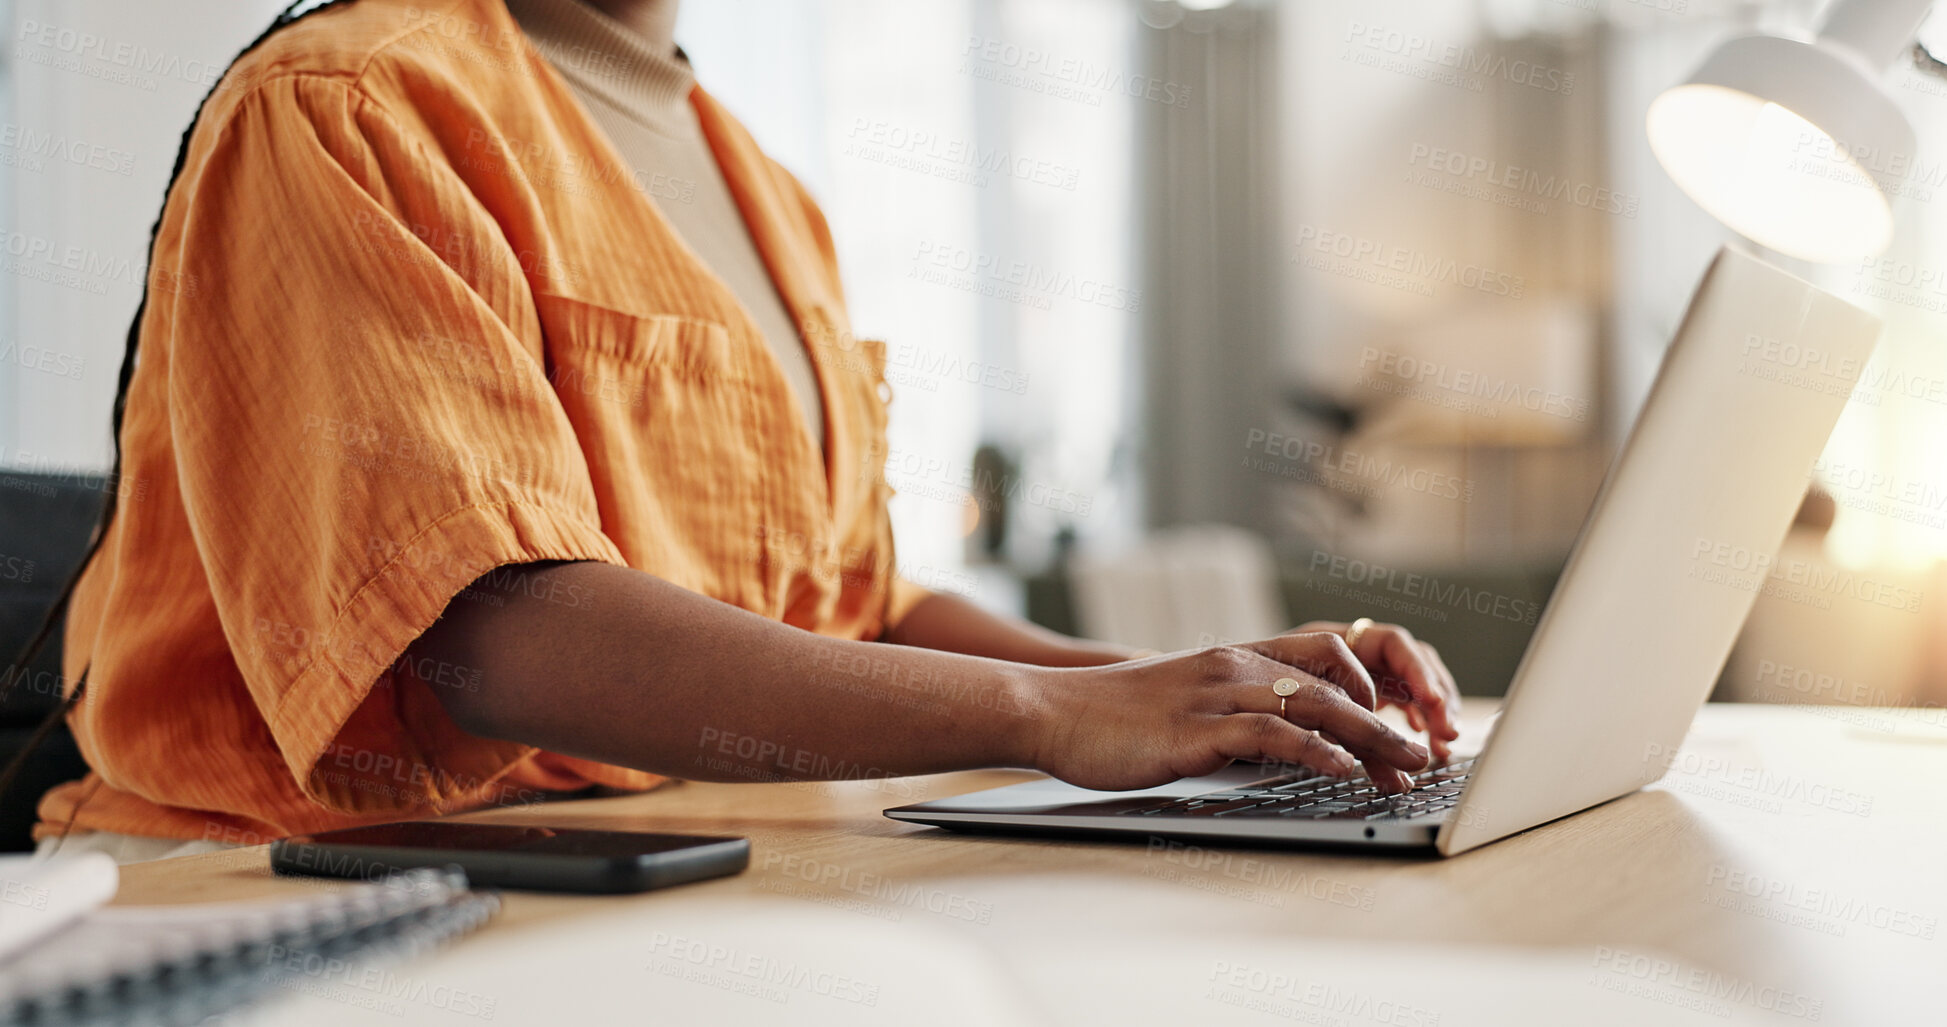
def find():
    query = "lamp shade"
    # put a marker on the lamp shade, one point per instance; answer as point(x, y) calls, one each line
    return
point(1779, 138)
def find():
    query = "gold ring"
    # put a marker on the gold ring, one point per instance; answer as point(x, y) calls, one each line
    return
point(1284, 687)
point(1356, 632)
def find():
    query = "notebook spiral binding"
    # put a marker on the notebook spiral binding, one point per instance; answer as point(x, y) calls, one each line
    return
point(289, 947)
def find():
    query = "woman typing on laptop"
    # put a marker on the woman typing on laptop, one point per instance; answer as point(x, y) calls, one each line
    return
point(500, 433)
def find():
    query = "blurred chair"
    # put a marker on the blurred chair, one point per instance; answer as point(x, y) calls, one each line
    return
point(1180, 588)
point(45, 521)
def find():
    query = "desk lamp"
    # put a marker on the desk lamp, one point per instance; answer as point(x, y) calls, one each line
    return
point(1782, 138)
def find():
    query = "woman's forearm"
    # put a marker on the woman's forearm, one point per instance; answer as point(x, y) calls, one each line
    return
point(953, 624)
point(641, 673)
point(652, 676)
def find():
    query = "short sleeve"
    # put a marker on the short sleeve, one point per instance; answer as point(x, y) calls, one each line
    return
point(363, 426)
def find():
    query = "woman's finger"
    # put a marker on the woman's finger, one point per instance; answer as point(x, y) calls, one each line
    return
point(1266, 737)
point(1319, 706)
point(1395, 649)
point(1453, 686)
point(1390, 780)
point(1324, 656)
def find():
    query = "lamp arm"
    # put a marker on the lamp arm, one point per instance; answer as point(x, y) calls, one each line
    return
point(1877, 30)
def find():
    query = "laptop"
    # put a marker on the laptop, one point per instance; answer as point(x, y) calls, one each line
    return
point(1677, 545)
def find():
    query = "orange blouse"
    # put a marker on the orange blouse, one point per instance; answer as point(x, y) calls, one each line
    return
point(411, 319)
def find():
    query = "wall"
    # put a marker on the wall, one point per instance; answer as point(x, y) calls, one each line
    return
point(101, 91)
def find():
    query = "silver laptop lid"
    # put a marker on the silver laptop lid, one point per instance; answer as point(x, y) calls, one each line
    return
point(1676, 547)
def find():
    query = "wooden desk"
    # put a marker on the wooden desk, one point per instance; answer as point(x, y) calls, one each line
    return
point(1793, 860)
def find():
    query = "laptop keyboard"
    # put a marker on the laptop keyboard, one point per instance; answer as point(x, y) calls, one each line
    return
point(1311, 797)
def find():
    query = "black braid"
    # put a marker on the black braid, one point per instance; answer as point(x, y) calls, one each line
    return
point(113, 486)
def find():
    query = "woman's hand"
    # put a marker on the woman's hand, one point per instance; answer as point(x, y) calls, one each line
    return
point(1409, 674)
point(1147, 722)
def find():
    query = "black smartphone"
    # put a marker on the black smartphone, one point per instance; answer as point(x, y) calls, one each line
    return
point(511, 856)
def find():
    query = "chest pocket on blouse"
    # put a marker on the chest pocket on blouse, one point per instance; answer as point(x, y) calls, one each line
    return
point(679, 426)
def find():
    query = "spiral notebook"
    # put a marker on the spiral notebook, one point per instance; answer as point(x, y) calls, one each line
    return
point(183, 964)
